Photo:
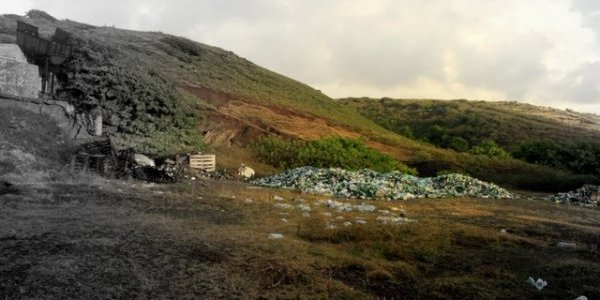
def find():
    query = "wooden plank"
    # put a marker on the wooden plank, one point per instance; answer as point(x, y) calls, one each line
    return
point(205, 162)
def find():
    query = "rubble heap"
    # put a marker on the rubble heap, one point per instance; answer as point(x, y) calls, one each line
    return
point(367, 184)
point(587, 195)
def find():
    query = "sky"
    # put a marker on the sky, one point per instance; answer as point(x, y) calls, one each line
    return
point(541, 52)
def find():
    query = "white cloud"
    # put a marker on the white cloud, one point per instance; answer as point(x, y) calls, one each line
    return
point(544, 52)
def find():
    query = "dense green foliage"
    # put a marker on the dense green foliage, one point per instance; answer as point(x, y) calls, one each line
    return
point(462, 125)
point(489, 148)
point(139, 104)
point(494, 129)
point(350, 154)
point(582, 158)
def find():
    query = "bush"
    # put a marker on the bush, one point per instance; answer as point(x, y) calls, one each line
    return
point(491, 149)
point(581, 158)
point(350, 154)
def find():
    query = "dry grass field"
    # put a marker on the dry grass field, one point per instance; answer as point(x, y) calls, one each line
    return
point(92, 238)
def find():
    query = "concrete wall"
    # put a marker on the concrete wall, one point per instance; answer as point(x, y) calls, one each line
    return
point(61, 112)
point(17, 77)
point(12, 52)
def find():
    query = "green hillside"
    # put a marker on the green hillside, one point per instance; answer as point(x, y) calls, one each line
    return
point(140, 78)
point(163, 94)
point(559, 139)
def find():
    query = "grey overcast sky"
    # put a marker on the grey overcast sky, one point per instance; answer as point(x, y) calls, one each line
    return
point(545, 52)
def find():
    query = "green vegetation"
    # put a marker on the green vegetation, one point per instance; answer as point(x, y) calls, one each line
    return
point(489, 148)
point(350, 154)
point(582, 158)
point(461, 125)
point(498, 130)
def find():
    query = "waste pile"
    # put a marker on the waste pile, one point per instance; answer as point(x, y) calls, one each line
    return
point(587, 196)
point(368, 184)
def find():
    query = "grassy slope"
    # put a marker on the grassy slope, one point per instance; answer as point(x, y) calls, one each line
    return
point(507, 123)
point(96, 238)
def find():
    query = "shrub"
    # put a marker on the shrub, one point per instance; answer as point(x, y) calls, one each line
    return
point(491, 149)
point(351, 154)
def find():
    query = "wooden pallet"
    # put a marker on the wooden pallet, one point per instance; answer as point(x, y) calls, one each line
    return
point(206, 162)
point(99, 156)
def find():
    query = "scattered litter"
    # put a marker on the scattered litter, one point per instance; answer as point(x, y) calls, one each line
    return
point(283, 205)
point(248, 200)
point(158, 192)
point(275, 236)
point(284, 220)
point(366, 207)
point(585, 196)
point(581, 298)
point(503, 231)
point(306, 215)
point(360, 221)
point(345, 207)
point(200, 198)
point(143, 160)
point(278, 198)
point(347, 224)
point(566, 245)
point(340, 218)
point(539, 284)
point(327, 214)
point(367, 184)
point(304, 208)
point(245, 172)
point(393, 220)
point(384, 211)
point(330, 226)
point(253, 187)
point(193, 178)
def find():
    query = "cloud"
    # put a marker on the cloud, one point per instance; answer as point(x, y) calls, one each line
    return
point(543, 52)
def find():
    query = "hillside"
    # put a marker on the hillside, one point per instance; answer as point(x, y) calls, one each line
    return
point(163, 94)
point(507, 123)
point(557, 138)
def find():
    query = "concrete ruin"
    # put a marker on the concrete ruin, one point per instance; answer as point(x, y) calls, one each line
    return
point(18, 78)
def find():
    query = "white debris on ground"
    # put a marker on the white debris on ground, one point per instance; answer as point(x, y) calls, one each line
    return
point(585, 196)
point(275, 236)
point(566, 245)
point(539, 284)
point(367, 184)
point(283, 205)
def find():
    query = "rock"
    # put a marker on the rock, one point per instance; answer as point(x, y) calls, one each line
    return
point(278, 198)
point(367, 184)
point(581, 298)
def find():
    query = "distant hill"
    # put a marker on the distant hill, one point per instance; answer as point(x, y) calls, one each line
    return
point(518, 128)
point(507, 123)
point(163, 94)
